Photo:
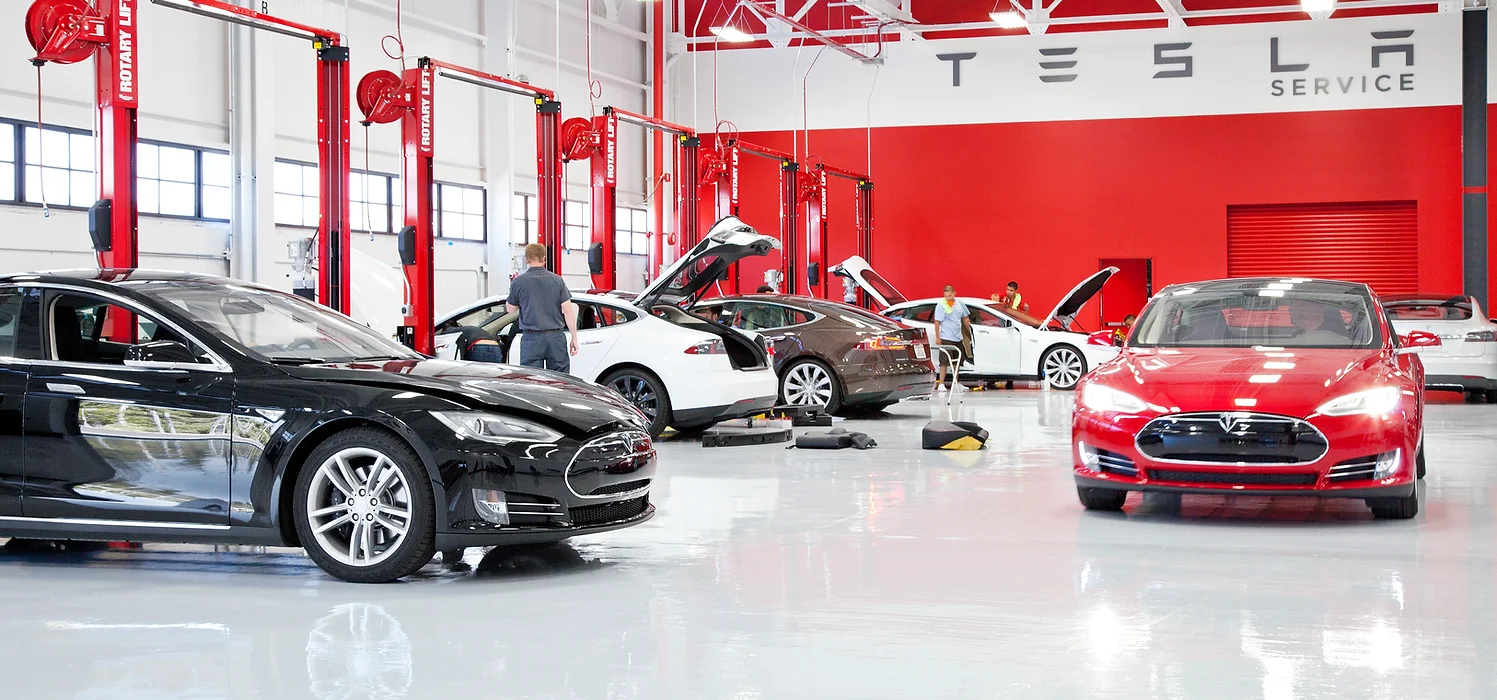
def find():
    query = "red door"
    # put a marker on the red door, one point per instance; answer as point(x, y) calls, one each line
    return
point(1127, 291)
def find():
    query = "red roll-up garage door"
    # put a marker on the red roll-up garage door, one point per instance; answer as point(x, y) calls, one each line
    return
point(1372, 242)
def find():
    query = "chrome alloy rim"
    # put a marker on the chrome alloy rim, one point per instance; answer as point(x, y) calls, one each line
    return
point(637, 391)
point(808, 385)
point(1063, 367)
point(359, 507)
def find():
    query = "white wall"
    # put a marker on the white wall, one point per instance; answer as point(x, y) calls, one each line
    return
point(481, 139)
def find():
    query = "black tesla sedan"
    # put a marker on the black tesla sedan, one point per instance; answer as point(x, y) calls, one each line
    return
point(161, 406)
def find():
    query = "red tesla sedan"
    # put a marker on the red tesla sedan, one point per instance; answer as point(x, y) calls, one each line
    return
point(1256, 386)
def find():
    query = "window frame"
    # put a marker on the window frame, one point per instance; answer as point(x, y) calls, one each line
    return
point(437, 211)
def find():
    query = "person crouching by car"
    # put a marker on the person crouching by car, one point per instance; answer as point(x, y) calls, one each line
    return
point(952, 324)
point(547, 314)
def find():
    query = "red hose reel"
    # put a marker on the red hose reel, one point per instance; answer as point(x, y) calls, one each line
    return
point(381, 97)
point(64, 31)
point(579, 140)
point(711, 167)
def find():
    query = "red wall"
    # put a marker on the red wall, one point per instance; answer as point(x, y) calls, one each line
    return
point(977, 205)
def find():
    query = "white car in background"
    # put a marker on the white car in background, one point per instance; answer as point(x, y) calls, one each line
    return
point(1466, 358)
point(680, 370)
point(1006, 344)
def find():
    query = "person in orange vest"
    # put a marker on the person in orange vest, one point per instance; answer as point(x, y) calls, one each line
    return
point(1011, 298)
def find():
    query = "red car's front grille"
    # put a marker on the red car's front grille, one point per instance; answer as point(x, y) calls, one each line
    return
point(1253, 479)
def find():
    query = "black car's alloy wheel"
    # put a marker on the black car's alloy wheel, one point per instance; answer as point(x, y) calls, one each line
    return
point(364, 507)
point(646, 392)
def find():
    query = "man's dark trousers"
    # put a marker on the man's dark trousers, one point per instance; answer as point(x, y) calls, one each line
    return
point(545, 350)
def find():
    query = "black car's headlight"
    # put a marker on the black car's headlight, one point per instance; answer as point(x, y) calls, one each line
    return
point(493, 427)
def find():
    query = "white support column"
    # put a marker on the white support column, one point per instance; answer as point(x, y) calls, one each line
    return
point(252, 158)
point(503, 116)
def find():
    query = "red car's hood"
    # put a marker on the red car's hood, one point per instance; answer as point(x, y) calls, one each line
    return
point(1294, 381)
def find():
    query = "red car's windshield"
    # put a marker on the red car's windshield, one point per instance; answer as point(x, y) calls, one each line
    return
point(1234, 318)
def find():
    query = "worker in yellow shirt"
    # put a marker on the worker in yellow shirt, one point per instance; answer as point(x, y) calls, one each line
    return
point(1120, 334)
point(1012, 298)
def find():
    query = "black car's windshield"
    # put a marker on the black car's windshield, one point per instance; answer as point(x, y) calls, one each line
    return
point(1247, 317)
point(275, 326)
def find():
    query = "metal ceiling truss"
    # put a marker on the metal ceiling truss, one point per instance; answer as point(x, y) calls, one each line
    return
point(1037, 14)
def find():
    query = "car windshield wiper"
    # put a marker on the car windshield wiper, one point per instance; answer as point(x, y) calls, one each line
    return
point(286, 360)
point(374, 358)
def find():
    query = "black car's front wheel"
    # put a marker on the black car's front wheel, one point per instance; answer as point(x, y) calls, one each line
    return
point(364, 507)
point(646, 392)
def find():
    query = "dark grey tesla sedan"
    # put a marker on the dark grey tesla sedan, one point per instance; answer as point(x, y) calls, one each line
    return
point(831, 354)
point(172, 407)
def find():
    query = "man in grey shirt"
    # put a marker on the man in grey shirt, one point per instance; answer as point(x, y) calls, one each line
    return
point(546, 312)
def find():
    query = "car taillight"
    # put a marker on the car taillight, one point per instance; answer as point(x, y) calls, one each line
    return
point(1481, 337)
point(881, 342)
point(707, 347)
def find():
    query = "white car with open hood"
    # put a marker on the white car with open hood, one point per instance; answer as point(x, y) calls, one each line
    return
point(679, 369)
point(1006, 343)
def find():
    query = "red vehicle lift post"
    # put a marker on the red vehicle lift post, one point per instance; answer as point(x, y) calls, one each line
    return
point(69, 31)
point(385, 98)
point(718, 170)
point(597, 141)
point(789, 211)
point(813, 190)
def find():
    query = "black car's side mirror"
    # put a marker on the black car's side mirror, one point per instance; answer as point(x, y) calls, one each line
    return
point(161, 351)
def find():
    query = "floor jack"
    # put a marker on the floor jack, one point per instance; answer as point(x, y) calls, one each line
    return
point(945, 432)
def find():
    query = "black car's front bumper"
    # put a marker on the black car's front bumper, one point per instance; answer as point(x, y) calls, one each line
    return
point(484, 535)
point(1458, 382)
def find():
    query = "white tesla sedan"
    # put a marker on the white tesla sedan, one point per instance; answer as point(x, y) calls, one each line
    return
point(1006, 344)
point(679, 369)
point(1466, 358)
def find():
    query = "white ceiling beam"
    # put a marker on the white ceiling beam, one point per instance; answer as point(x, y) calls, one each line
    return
point(1175, 11)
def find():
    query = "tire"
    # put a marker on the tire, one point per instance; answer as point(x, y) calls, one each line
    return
point(1476, 397)
point(1063, 366)
point(811, 383)
point(1398, 508)
point(384, 470)
point(646, 392)
point(1419, 462)
point(1101, 499)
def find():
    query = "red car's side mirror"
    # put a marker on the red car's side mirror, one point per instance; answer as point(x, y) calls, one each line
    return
point(1105, 338)
point(1420, 339)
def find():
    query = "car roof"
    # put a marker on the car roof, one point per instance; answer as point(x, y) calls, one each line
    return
point(114, 275)
point(1303, 284)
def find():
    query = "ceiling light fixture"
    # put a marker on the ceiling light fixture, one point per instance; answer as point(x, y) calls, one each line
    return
point(732, 34)
point(1009, 19)
point(1318, 9)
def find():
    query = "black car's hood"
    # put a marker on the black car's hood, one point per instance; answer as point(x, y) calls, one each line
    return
point(558, 399)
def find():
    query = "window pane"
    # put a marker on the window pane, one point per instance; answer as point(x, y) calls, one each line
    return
point(217, 170)
point(147, 196)
point(452, 225)
point(375, 186)
point(356, 182)
point(288, 178)
point(81, 151)
point(309, 184)
point(473, 226)
point(53, 149)
point(517, 231)
point(217, 203)
point(473, 201)
point(177, 199)
point(8, 184)
point(622, 240)
point(622, 221)
point(82, 189)
point(33, 177)
point(532, 208)
point(310, 214)
point(641, 221)
point(288, 209)
point(641, 244)
point(178, 165)
point(8, 144)
point(518, 207)
point(146, 161)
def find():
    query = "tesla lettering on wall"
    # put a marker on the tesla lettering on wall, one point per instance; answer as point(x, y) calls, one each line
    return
point(1346, 84)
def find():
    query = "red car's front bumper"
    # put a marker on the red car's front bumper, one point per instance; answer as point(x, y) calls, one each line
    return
point(1351, 441)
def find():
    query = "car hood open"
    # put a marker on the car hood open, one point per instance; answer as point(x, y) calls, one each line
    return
point(729, 241)
point(873, 284)
point(1289, 382)
point(1071, 304)
point(558, 399)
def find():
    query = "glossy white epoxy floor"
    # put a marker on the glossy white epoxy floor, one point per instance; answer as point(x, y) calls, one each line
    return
point(892, 573)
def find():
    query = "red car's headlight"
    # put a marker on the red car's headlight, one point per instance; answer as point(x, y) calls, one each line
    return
point(1104, 398)
point(1372, 402)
